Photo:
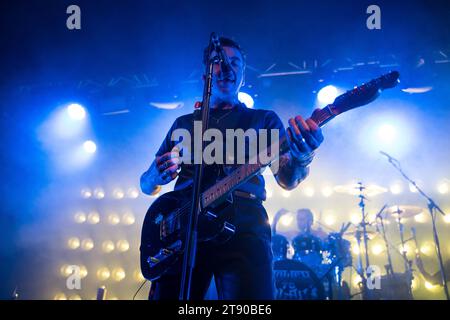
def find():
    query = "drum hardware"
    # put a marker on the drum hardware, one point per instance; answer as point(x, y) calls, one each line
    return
point(355, 189)
point(389, 267)
point(433, 209)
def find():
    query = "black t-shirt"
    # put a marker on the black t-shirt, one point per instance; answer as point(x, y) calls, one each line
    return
point(239, 117)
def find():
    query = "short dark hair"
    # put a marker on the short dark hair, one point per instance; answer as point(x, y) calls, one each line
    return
point(225, 42)
point(308, 213)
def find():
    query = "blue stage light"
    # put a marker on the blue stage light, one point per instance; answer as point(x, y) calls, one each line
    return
point(89, 146)
point(76, 111)
point(327, 94)
point(246, 99)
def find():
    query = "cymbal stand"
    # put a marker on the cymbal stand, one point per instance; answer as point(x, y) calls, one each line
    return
point(389, 267)
point(433, 208)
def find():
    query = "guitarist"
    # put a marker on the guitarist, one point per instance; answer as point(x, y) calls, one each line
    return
point(242, 267)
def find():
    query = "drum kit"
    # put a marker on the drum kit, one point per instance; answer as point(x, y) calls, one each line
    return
point(314, 270)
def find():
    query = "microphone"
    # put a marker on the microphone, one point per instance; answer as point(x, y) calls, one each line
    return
point(225, 64)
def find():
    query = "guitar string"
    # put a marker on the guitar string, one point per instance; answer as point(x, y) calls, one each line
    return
point(181, 210)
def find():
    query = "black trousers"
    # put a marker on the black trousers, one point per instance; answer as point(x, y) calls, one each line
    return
point(242, 267)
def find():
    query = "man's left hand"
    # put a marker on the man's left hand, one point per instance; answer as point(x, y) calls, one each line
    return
point(304, 136)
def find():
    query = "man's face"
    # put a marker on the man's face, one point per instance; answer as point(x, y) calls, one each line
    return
point(304, 220)
point(226, 83)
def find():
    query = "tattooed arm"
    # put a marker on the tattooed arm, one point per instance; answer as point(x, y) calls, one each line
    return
point(304, 137)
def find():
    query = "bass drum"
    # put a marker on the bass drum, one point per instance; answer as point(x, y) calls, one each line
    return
point(308, 250)
point(296, 281)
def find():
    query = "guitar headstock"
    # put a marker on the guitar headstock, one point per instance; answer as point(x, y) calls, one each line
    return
point(365, 93)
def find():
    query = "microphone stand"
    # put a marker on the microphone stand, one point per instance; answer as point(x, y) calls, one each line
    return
point(432, 208)
point(191, 233)
point(390, 268)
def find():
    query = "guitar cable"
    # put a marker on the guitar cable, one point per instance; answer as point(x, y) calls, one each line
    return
point(139, 289)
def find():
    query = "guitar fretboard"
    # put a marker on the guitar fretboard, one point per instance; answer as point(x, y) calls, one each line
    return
point(247, 171)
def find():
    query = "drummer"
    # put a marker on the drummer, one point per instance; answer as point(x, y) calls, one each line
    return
point(305, 221)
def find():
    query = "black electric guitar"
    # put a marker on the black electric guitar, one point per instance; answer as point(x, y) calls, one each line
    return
point(165, 223)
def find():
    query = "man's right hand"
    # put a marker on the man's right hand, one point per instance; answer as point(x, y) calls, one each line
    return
point(167, 166)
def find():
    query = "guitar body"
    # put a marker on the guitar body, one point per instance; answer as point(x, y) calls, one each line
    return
point(164, 231)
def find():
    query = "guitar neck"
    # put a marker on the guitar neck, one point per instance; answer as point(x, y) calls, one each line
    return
point(354, 98)
point(246, 171)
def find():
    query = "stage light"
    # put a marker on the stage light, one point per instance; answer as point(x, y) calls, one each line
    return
point(60, 296)
point(246, 99)
point(76, 111)
point(356, 281)
point(421, 218)
point(355, 249)
point(406, 248)
point(446, 218)
point(93, 217)
point(137, 276)
point(89, 146)
point(79, 217)
point(132, 193)
point(327, 94)
point(387, 133)
point(286, 220)
point(122, 245)
point(430, 286)
point(427, 249)
point(371, 217)
point(118, 274)
point(75, 297)
point(99, 193)
point(270, 219)
point(107, 246)
point(87, 244)
point(73, 243)
point(309, 191)
point(269, 193)
point(443, 187)
point(113, 219)
point(83, 271)
point(103, 274)
point(327, 191)
point(355, 218)
point(118, 193)
point(86, 193)
point(396, 188)
point(412, 188)
point(285, 193)
point(128, 218)
point(330, 220)
point(66, 270)
point(377, 249)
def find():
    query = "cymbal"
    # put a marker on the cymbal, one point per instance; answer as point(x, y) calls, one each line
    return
point(404, 211)
point(356, 189)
